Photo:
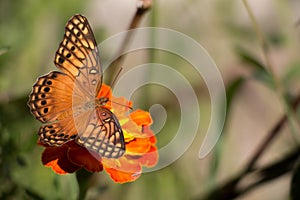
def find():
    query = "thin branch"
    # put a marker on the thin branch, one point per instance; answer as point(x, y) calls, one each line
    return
point(142, 7)
point(228, 190)
point(270, 137)
point(295, 127)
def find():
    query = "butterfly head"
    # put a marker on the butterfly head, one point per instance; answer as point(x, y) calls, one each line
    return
point(102, 101)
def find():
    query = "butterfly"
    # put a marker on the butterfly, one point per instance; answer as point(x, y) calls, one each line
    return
point(66, 101)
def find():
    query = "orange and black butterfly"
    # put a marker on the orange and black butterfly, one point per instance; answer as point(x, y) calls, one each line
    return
point(66, 100)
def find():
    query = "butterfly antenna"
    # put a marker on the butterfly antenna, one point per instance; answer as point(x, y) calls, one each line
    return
point(112, 85)
point(121, 104)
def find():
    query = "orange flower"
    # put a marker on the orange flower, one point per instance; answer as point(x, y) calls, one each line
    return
point(140, 144)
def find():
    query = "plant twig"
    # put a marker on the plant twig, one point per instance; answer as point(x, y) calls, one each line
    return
point(228, 190)
point(295, 127)
point(270, 137)
point(115, 66)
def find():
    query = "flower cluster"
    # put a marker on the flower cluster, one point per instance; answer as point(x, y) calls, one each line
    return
point(141, 150)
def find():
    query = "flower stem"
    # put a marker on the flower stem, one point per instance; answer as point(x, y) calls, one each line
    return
point(83, 179)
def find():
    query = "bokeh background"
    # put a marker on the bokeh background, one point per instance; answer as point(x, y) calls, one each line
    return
point(30, 31)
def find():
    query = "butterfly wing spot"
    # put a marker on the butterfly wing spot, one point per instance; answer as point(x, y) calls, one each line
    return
point(93, 71)
point(68, 55)
point(46, 89)
point(61, 60)
point(46, 110)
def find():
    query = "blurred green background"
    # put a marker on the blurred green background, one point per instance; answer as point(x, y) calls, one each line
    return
point(31, 30)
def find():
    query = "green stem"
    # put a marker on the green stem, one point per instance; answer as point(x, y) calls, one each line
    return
point(83, 180)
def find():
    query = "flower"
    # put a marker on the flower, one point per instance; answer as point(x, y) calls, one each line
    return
point(139, 139)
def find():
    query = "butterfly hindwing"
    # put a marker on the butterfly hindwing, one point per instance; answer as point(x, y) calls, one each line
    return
point(103, 134)
point(58, 133)
point(51, 96)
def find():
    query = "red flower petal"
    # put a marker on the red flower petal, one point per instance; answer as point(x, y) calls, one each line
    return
point(82, 157)
point(57, 159)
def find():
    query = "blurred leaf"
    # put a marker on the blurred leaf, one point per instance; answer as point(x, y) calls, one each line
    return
point(33, 195)
point(231, 91)
point(21, 161)
point(3, 50)
point(291, 74)
point(246, 57)
point(276, 38)
point(295, 183)
point(265, 78)
point(260, 72)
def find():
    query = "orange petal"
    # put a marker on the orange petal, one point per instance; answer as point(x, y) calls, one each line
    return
point(141, 117)
point(55, 167)
point(130, 130)
point(147, 131)
point(123, 177)
point(123, 169)
point(138, 146)
point(105, 91)
point(82, 157)
point(150, 159)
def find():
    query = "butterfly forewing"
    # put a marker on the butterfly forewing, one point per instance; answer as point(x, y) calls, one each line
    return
point(66, 100)
point(51, 96)
point(78, 55)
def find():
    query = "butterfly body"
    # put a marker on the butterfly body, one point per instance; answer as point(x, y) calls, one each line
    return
point(67, 101)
